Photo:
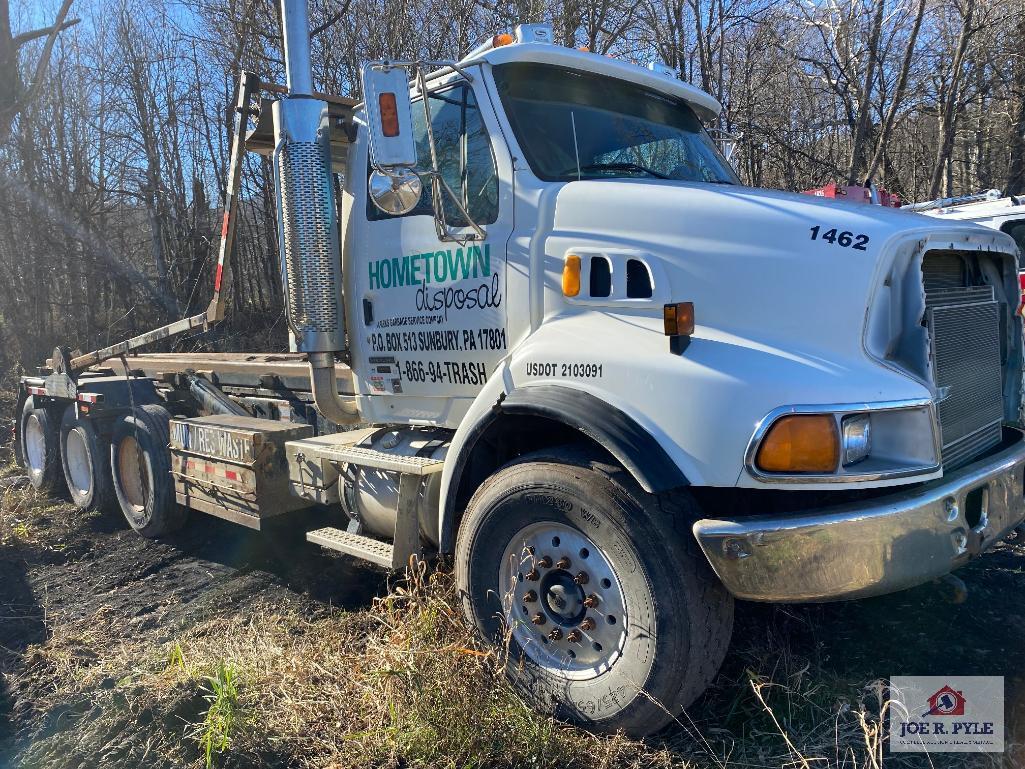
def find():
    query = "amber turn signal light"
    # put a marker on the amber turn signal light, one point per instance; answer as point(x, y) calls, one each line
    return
point(389, 114)
point(571, 276)
point(678, 318)
point(800, 443)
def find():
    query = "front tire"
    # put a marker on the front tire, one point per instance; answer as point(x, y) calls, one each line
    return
point(613, 617)
point(140, 462)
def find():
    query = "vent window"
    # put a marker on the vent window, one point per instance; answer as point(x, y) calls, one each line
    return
point(601, 276)
point(638, 280)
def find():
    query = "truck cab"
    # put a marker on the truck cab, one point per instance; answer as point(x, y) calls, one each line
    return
point(618, 387)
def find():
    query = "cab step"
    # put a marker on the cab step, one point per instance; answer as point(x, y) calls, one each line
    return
point(357, 545)
point(382, 460)
point(314, 467)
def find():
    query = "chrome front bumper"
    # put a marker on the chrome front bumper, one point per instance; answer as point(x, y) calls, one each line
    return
point(872, 547)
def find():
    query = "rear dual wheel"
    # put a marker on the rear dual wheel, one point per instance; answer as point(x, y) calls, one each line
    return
point(38, 446)
point(613, 617)
point(85, 458)
point(140, 462)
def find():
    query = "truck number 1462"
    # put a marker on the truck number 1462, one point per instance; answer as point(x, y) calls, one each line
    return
point(845, 238)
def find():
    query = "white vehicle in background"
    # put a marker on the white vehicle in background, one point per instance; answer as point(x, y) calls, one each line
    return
point(990, 209)
point(618, 386)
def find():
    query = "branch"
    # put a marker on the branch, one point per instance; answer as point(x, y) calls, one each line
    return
point(27, 37)
point(44, 58)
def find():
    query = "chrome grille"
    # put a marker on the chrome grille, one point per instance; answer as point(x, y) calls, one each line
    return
point(964, 328)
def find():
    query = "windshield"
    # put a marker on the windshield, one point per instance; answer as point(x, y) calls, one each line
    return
point(578, 125)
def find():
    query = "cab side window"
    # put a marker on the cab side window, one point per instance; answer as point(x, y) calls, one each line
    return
point(464, 155)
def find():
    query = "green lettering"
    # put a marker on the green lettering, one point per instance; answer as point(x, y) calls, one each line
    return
point(374, 275)
point(482, 260)
point(440, 267)
point(460, 262)
point(400, 271)
point(414, 269)
point(427, 265)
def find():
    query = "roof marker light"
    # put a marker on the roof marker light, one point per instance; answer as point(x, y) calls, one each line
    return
point(503, 38)
point(534, 33)
point(662, 68)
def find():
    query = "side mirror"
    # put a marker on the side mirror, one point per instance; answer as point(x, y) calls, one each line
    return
point(389, 116)
point(396, 192)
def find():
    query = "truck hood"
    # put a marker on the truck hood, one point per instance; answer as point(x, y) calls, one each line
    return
point(747, 257)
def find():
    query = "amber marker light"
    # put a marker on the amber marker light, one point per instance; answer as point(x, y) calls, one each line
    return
point(571, 276)
point(678, 318)
point(389, 114)
point(800, 443)
point(502, 39)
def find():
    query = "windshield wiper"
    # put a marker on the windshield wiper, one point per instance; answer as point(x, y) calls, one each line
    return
point(620, 167)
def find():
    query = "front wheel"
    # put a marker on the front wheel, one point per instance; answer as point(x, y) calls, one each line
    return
point(613, 617)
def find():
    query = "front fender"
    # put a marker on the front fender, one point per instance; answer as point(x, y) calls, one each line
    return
point(633, 446)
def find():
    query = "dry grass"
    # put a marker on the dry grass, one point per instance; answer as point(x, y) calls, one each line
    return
point(285, 681)
point(403, 684)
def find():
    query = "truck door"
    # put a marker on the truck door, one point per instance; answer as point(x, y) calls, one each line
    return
point(434, 309)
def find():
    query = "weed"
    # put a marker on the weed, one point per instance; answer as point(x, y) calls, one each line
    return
point(176, 659)
point(222, 715)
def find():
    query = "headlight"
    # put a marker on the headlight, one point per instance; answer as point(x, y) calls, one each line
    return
point(857, 438)
point(800, 443)
point(845, 443)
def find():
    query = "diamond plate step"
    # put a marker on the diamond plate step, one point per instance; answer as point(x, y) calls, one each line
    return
point(357, 545)
point(381, 460)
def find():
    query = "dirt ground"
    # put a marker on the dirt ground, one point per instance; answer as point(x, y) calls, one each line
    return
point(63, 575)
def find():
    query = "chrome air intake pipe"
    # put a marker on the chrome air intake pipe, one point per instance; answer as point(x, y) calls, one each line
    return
point(311, 264)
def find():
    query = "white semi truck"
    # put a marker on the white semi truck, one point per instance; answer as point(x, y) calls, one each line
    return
point(578, 355)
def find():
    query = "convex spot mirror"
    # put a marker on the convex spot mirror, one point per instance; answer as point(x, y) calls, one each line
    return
point(389, 116)
point(395, 192)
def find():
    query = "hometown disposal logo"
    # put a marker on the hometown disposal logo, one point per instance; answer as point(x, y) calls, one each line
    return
point(953, 714)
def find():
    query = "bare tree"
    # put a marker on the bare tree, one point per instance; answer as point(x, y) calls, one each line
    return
point(15, 94)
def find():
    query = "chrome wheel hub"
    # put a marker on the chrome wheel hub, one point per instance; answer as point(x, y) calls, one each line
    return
point(77, 457)
point(563, 600)
point(35, 443)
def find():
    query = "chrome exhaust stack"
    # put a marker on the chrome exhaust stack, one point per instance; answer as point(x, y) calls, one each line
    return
point(311, 264)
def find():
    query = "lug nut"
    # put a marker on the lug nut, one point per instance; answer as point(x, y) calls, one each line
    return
point(563, 563)
point(555, 635)
point(538, 619)
point(529, 597)
point(591, 601)
point(582, 578)
point(545, 563)
point(532, 575)
point(574, 636)
point(587, 624)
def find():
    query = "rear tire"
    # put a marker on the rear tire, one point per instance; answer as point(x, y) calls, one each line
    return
point(140, 462)
point(85, 457)
point(39, 441)
point(627, 645)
